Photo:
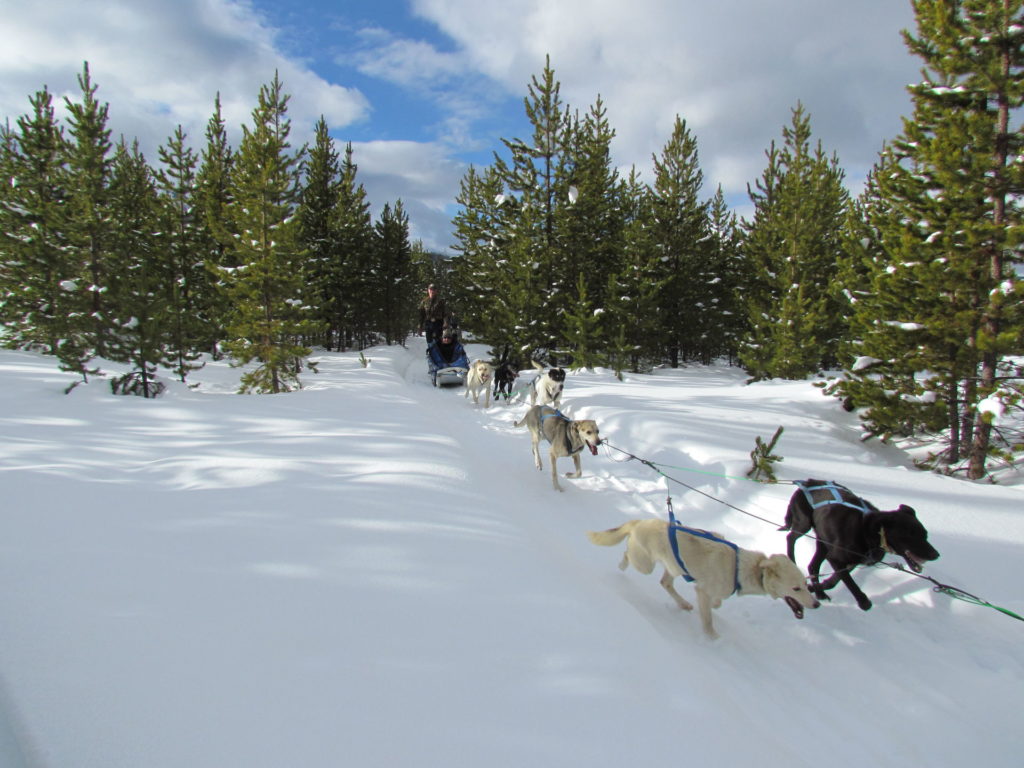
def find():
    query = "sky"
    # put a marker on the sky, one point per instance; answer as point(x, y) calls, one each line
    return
point(423, 88)
point(371, 573)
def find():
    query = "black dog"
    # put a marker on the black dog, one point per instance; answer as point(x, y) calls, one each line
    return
point(505, 374)
point(851, 532)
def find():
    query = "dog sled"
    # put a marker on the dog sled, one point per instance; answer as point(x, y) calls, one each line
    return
point(447, 362)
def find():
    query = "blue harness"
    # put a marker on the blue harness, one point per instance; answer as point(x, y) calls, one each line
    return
point(835, 494)
point(545, 415)
point(674, 526)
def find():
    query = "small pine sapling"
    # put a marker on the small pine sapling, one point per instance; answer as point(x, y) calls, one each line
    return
point(762, 459)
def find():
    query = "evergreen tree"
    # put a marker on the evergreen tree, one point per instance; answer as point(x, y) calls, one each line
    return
point(483, 274)
point(267, 289)
point(351, 273)
point(213, 182)
point(723, 293)
point(582, 332)
point(317, 221)
point(537, 176)
point(32, 230)
point(974, 54)
point(945, 222)
point(394, 270)
point(590, 221)
point(792, 249)
point(89, 228)
point(184, 239)
point(631, 321)
point(680, 223)
point(143, 282)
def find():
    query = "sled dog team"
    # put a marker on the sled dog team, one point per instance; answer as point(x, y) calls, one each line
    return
point(849, 530)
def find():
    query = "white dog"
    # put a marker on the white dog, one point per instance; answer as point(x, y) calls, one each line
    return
point(481, 374)
point(547, 385)
point(718, 568)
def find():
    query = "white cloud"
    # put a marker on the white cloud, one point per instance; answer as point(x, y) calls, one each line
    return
point(159, 64)
point(733, 69)
point(409, 63)
point(423, 175)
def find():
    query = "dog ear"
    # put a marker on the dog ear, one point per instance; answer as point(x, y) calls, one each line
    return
point(769, 576)
point(907, 510)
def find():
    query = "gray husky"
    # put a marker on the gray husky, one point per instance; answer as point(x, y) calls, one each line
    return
point(567, 437)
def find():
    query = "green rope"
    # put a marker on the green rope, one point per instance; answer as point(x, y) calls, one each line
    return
point(954, 592)
point(654, 466)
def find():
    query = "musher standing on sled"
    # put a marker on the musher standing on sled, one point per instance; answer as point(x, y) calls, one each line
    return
point(433, 312)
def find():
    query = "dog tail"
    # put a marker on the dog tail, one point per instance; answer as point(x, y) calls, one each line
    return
point(520, 422)
point(612, 536)
point(537, 365)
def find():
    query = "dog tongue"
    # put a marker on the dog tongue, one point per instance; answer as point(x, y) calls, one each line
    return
point(593, 448)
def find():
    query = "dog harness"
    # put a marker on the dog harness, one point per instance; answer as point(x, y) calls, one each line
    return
point(834, 495)
point(568, 440)
point(674, 525)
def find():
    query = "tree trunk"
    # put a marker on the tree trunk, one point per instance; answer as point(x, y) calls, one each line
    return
point(991, 321)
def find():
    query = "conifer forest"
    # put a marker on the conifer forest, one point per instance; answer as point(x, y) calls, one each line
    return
point(903, 302)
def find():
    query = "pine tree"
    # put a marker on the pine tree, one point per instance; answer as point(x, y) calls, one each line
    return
point(681, 235)
point(213, 202)
point(537, 177)
point(351, 271)
point(723, 293)
point(143, 282)
point(483, 275)
point(792, 248)
point(394, 271)
point(630, 319)
point(317, 222)
point(267, 289)
point(185, 239)
point(974, 54)
point(89, 228)
point(582, 334)
point(32, 230)
point(946, 224)
point(590, 220)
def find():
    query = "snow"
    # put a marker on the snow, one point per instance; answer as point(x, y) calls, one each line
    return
point(864, 361)
point(370, 572)
point(992, 405)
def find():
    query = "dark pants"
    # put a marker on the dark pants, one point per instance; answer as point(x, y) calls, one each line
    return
point(433, 330)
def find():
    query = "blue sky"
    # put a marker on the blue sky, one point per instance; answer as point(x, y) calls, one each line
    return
point(422, 88)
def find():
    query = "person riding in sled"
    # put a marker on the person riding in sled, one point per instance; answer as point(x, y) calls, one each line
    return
point(447, 345)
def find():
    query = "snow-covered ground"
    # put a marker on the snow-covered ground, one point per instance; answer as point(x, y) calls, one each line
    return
point(370, 572)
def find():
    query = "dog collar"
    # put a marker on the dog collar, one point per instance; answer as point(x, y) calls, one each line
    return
point(883, 543)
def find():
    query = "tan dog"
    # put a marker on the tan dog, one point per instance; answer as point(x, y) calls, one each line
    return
point(567, 437)
point(716, 569)
point(481, 374)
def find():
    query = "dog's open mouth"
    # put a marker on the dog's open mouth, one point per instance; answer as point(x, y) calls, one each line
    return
point(593, 447)
point(916, 564)
point(795, 607)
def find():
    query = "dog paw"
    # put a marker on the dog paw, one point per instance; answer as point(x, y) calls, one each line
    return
point(865, 604)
